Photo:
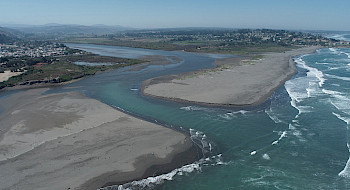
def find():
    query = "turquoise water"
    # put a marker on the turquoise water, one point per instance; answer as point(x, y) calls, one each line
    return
point(298, 139)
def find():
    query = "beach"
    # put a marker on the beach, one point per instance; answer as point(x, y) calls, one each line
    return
point(70, 141)
point(248, 82)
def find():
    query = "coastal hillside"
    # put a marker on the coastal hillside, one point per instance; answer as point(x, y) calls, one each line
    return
point(8, 35)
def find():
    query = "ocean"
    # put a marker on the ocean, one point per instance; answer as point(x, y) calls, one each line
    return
point(298, 139)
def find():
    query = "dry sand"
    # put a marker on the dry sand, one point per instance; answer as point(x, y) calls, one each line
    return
point(7, 74)
point(68, 140)
point(250, 83)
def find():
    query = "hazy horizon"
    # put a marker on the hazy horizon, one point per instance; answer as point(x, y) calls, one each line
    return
point(272, 14)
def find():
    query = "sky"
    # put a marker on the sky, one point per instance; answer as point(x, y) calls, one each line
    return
point(274, 14)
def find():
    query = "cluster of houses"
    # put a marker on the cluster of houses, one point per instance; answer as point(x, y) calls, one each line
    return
point(40, 51)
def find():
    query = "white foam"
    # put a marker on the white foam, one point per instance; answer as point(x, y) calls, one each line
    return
point(346, 171)
point(273, 116)
point(347, 54)
point(331, 92)
point(334, 51)
point(304, 87)
point(312, 72)
point(266, 156)
point(231, 115)
point(312, 89)
point(193, 108)
point(241, 112)
point(322, 63)
point(227, 116)
point(150, 182)
point(338, 77)
point(291, 127)
point(337, 36)
point(346, 120)
point(342, 103)
point(284, 134)
point(295, 94)
point(200, 139)
point(187, 108)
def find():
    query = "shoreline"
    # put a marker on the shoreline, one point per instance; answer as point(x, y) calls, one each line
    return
point(162, 166)
point(41, 85)
point(165, 87)
point(87, 141)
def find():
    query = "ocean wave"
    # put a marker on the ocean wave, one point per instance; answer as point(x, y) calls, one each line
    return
point(297, 92)
point(337, 36)
point(301, 88)
point(338, 77)
point(347, 54)
point(151, 182)
point(231, 115)
point(284, 134)
point(312, 72)
point(322, 63)
point(342, 103)
point(333, 50)
point(226, 116)
point(345, 119)
point(296, 89)
point(330, 92)
point(201, 140)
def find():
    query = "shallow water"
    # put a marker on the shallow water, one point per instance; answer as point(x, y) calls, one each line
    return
point(296, 140)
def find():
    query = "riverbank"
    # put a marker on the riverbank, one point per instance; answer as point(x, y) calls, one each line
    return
point(70, 141)
point(42, 73)
point(250, 82)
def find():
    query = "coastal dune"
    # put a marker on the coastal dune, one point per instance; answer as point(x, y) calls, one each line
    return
point(248, 83)
point(69, 141)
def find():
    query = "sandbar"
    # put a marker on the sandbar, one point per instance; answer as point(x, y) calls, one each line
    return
point(69, 141)
point(249, 82)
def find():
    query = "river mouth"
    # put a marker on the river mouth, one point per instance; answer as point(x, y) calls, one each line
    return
point(266, 146)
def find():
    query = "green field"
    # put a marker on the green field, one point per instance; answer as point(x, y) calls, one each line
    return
point(63, 69)
point(190, 46)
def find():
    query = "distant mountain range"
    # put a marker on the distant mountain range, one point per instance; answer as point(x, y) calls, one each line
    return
point(70, 29)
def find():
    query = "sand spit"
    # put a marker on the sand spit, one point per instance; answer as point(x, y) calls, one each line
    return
point(70, 141)
point(249, 83)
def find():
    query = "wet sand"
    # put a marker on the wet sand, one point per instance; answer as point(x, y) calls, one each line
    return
point(250, 82)
point(62, 141)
